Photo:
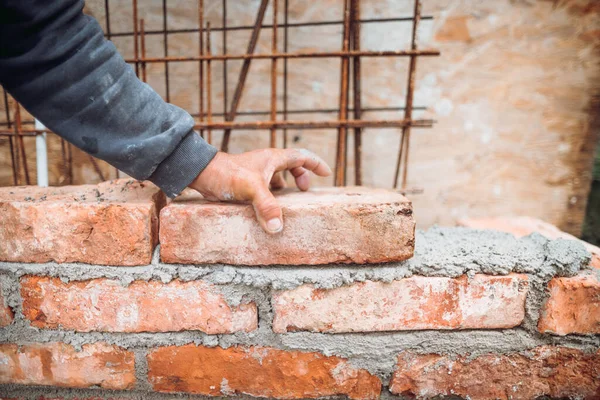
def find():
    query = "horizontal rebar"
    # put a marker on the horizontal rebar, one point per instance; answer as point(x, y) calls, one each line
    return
point(420, 123)
point(250, 27)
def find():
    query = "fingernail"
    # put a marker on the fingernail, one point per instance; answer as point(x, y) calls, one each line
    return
point(274, 225)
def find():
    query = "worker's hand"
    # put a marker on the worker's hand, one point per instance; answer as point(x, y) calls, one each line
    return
point(246, 177)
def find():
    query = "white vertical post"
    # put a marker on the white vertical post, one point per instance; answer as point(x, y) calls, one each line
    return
point(41, 155)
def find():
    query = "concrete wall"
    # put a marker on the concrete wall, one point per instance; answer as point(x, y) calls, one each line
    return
point(513, 94)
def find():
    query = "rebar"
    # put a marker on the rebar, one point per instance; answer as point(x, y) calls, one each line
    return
point(208, 87)
point(340, 158)
point(273, 141)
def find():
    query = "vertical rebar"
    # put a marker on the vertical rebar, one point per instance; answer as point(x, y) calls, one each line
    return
point(135, 38)
point(357, 93)
point(405, 138)
point(107, 18)
point(340, 173)
point(225, 86)
point(70, 162)
point(143, 49)
point(166, 50)
point(273, 142)
point(201, 62)
point(237, 95)
point(208, 85)
point(21, 143)
point(285, 70)
point(63, 150)
point(13, 162)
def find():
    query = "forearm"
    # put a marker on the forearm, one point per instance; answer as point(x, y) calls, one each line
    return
point(55, 61)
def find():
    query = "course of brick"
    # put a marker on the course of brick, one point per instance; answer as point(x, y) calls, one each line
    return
point(59, 364)
point(558, 372)
point(332, 225)
point(107, 306)
point(89, 305)
point(483, 302)
point(113, 223)
point(257, 371)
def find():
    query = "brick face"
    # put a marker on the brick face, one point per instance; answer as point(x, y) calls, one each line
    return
point(573, 306)
point(105, 305)
point(483, 302)
point(112, 223)
point(59, 364)
point(256, 371)
point(325, 225)
point(6, 314)
point(558, 372)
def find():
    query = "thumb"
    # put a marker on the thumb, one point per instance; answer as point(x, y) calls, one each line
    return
point(267, 210)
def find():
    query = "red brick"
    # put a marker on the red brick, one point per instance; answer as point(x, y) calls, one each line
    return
point(257, 371)
point(113, 223)
point(59, 364)
point(523, 226)
point(483, 302)
point(6, 314)
point(573, 306)
point(558, 372)
point(105, 305)
point(325, 225)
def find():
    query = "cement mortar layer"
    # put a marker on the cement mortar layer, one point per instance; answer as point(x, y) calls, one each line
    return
point(440, 252)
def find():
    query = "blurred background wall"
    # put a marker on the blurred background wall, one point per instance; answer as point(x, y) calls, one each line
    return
point(515, 93)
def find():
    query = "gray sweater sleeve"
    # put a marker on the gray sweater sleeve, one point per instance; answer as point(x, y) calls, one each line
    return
point(55, 61)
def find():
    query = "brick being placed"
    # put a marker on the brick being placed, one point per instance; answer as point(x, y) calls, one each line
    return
point(322, 226)
point(112, 223)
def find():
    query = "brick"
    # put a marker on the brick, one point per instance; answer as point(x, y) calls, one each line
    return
point(112, 223)
point(6, 313)
point(558, 372)
point(59, 364)
point(523, 226)
point(105, 305)
point(257, 371)
point(325, 225)
point(483, 302)
point(573, 306)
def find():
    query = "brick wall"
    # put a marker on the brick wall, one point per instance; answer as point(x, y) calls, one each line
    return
point(92, 307)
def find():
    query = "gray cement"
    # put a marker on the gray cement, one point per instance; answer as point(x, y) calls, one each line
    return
point(439, 252)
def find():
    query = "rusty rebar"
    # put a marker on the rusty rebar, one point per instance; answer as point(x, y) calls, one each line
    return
point(63, 152)
point(224, 38)
point(201, 62)
point(166, 51)
point(97, 168)
point(340, 159)
point(244, 71)
point(135, 37)
point(70, 162)
point(420, 123)
point(11, 145)
point(357, 93)
point(208, 87)
point(285, 71)
point(20, 141)
point(107, 19)
point(405, 137)
point(296, 55)
point(143, 49)
point(273, 141)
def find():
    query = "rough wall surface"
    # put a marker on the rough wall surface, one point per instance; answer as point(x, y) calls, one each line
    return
point(512, 93)
point(474, 313)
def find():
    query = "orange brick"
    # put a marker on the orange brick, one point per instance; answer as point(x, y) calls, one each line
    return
point(6, 314)
point(105, 305)
point(573, 306)
point(113, 223)
point(59, 364)
point(325, 225)
point(483, 302)
point(523, 226)
point(257, 371)
point(558, 372)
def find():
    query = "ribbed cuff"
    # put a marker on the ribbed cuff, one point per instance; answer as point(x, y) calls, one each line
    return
point(186, 162)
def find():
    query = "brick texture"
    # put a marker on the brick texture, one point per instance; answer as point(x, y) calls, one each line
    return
point(523, 226)
point(407, 304)
point(6, 314)
point(113, 223)
point(59, 364)
point(558, 372)
point(573, 306)
point(256, 371)
point(105, 305)
point(326, 225)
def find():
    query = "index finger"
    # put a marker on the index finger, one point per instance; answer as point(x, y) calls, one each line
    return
point(293, 158)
